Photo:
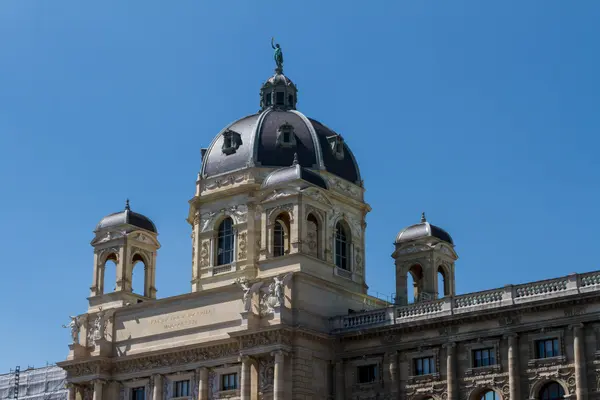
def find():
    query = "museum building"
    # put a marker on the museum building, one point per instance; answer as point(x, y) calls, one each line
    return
point(279, 309)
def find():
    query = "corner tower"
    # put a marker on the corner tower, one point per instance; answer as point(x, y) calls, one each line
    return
point(426, 252)
point(128, 239)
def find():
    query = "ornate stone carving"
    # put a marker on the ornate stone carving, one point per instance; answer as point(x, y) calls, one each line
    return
point(413, 249)
point(278, 194)
point(96, 331)
point(276, 210)
point(447, 251)
point(143, 238)
point(316, 194)
point(266, 372)
point(564, 374)
point(509, 320)
point(204, 253)
point(224, 182)
point(266, 338)
point(485, 380)
point(111, 235)
point(103, 253)
point(428, 386)
point(242, 245)
point(358, 260)
point(345, 187)
point(273, 296)
point(177, 358)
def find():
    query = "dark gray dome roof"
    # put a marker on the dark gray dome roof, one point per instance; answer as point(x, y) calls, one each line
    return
point(272, 137)
point(259, 146)
point(421, 230)
point(126, 217)
point(295, 172)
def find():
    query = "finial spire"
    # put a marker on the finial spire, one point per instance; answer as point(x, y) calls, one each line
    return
point(423, 219)
point(127, 205)
point(295, 159)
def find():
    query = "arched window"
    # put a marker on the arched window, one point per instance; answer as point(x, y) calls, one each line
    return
point(342, 247)
point(138, 274)
point(312, 235)
point(225, 242)
point(109, 275)
point(416, 273)
point(443, 284)
point(281, 235)
point(489, 395)
point(552, 391)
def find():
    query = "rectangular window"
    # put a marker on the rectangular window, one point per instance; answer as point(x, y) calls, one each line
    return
point(279, 98)
point(268, 99)
point(229, 381)
point(547, 348)
point(138, 393)
point(424, 365)
point(181, 389)
point(367, 373)
point(484, 357)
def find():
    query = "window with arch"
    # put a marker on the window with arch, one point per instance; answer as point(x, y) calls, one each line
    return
point(138, 274)
point(281, 235)
point(443, 284)
point(415, 277)
point(342, 246)
point(552, 391)
point(312, 235)
point(489, 395)
point(225, 242)
point(108, 274)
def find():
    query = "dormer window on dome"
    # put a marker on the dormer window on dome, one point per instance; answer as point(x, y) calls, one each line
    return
point(336, 142)
point(286, 137)
point(231, 141)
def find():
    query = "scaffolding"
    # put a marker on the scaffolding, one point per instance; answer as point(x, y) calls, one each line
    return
point(46, 383)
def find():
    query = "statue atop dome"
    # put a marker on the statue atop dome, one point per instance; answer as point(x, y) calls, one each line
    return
point(277, 56)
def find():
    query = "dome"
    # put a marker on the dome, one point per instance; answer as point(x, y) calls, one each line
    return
point(126, 217)
point(271, 137)
point(421, 230)
point(293, 173)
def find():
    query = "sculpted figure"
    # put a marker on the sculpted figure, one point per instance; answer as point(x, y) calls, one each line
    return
point(243, 283)
point(278, 290)
point(277, 55)
point(74, 325)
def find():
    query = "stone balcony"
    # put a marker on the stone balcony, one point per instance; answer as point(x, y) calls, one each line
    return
point(494, 299)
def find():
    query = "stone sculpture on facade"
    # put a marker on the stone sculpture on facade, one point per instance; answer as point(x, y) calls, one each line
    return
point(274, 295)
point(246, 288)
point(75, 326)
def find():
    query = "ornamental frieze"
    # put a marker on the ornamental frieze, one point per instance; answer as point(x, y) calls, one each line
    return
point(88, 368)
point(564, 374)
point(266, 338)
point(176, 358)
point(487, 380)
point(224, 182)
point(430, 387)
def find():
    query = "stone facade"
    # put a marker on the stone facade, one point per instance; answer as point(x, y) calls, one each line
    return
point(278, 307)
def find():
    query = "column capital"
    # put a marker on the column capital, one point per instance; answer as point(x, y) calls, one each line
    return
point(576, 327)
point(510, 335)
point(99, 382)
point(279, 353)
point(449, 345)
point(244, 358)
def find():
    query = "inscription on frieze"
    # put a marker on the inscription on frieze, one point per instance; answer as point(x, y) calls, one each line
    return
point(180, 320)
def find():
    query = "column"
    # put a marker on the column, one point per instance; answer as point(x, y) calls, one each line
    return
point(340, 381)
point(78, 392)
point(98, 386)
point(245, 381)
point(157, 387)
point(393, 372)
point(513, 366)
point(202, 383)
point(580, 363)
point(71, 389)
point(278, 376)
point(451, 370)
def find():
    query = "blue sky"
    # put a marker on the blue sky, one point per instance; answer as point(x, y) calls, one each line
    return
point(482, 114)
